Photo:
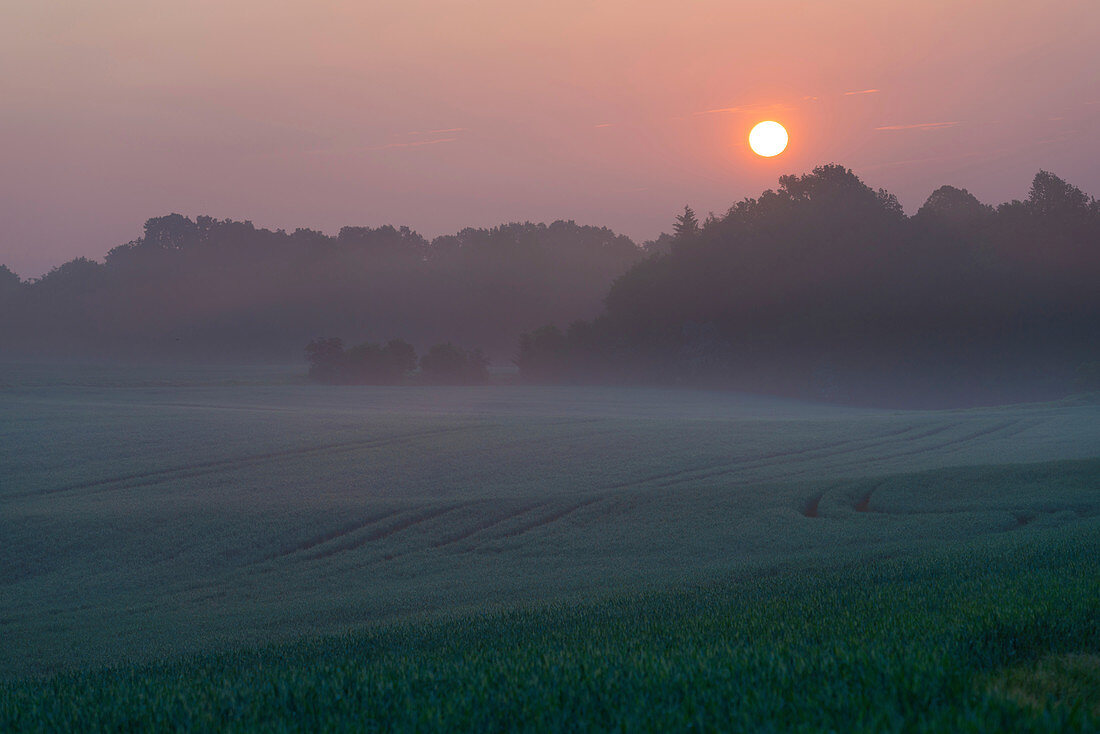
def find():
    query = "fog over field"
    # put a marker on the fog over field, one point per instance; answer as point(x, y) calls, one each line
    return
point(550, 367)
point(142, 521)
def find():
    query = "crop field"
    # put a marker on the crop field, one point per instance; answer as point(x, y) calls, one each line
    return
point(266, 525)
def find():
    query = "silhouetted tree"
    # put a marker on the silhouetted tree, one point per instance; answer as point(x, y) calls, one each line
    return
point(325, 356)
point(825, 288)
point(363, 364)
point(660, 246)
point(209, 288)
point(9, 281)
point(401, 357)
point(543, 355)
point(958, 209)
point(1051, 197)
point(446, 364)
point(687, 226)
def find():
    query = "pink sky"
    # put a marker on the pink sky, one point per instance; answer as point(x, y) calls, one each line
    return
point(455, 113)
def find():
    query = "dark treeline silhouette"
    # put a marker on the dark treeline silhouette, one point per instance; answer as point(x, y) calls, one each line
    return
point(394, 363)
point(208, 289)
point(825, 289)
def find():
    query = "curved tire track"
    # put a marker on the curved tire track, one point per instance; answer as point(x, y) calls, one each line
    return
point(141, 479)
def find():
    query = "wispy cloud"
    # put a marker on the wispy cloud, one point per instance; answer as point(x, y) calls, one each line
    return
point(746, 108)
point(719, 110)
point(862, 91)
point(920, 126)
point(414, 144)
point(910, 161)
point(604, 124)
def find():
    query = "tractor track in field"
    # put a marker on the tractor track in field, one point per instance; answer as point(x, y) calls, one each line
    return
point(667, 479)
point(913, 452)
point(477, 529)
point(863, 503)
point(343, 530)
point(405, 523)
point(962, 440)
point(148, 478)
point(547, 519)
point(810, 506)
point(488, 524)
point(481, 527)
point(211, 406)
point(765, 460)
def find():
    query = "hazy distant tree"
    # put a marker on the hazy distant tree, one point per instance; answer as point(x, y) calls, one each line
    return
point(951, 231)
point(385, 241)
point(9, 281)
point(687, 225)
point(401, 357)
point(826, 269)
point(324, 356)
point(949, 207)
point(660, 246)
point(172, 232)
point(363, 364)
point(1050, 196)
point(70, 278)
point(543, 355)
point(447, 364)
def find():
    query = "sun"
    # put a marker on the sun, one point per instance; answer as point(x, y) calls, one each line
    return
point(768, 139)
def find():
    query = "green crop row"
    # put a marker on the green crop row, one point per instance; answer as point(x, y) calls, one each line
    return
point(1002, 633)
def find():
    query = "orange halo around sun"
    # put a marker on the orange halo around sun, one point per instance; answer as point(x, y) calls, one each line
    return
point(768, 139)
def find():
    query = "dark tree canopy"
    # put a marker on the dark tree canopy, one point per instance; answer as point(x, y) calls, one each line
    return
point(949, 207)
point(364, 364)
point(687, 225)
point(821, 287)
point(447, 364)
point(824, 288)
point(207, 289)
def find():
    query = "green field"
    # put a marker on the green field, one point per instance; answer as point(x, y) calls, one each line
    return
point(255, 551)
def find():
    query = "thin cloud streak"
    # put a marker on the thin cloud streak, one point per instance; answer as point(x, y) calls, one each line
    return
point(446, 130)
point(920, 126)
point(862, 91)
point(954, 157)
point(746, 108)
point(441, 131)
point(722, 109)
point(415, 144)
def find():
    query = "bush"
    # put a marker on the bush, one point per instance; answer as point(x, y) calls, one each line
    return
point(364, 364)
point(446, 364)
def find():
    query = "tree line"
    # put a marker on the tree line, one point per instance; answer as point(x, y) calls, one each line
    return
point(824, 288)
point(202, 289)
point(820, 288)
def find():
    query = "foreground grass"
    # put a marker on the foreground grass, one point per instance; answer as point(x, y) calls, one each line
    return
point(1003, 633)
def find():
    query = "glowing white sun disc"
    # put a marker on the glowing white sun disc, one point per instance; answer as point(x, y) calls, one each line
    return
point(768, 138)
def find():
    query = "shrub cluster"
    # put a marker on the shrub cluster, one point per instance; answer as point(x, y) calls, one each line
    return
point(393, 363)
